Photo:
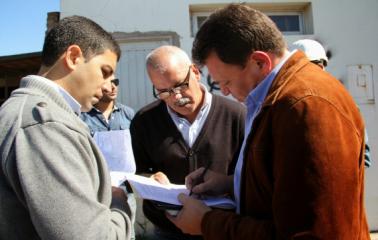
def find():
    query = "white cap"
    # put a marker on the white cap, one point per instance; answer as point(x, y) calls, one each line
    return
point(313, 49)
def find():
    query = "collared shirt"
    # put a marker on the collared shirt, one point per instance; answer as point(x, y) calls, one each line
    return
point(190, 131)
point(75, 105)
point(119, 119)
point(253, 102)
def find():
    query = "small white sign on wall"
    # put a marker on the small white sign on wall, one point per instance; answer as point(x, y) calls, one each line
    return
point(360, 83)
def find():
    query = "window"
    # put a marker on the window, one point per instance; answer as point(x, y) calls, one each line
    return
point(288, 23)
point(197, 20)
point(290, 18)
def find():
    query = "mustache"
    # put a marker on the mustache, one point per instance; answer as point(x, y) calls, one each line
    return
point(182, 101)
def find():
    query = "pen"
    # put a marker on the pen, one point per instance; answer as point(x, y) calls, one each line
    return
point(201, 178)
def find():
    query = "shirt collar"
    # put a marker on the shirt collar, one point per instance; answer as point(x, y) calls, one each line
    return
point(75, 105)
point(258, 94)
point(208, 97)
point(115, 108)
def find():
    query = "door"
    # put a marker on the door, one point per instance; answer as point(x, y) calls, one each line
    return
point(135, 89)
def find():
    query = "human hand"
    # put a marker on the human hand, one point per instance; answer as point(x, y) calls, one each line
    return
point(190, 217)
point(119, 194)
point(119, 200)
point(161, 178)
point(213, 183)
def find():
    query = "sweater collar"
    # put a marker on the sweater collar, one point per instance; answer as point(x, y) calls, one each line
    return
point(43, 86)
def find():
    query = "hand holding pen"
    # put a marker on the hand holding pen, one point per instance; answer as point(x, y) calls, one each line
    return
point(193, 182)
point(204, 181)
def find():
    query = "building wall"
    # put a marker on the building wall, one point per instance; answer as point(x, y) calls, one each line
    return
point(347, 28)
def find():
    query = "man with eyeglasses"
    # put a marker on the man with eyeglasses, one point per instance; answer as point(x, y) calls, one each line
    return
point(186, 128)
point(109, 115)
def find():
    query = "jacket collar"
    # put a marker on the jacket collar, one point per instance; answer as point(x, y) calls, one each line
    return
point(284, 76)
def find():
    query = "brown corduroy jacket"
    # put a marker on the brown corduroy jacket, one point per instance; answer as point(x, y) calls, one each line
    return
point(303, 172)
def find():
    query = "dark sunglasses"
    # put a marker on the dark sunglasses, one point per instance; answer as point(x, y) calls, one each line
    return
point(115, 81)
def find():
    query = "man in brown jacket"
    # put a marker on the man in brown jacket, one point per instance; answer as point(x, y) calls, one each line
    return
point(301, 171)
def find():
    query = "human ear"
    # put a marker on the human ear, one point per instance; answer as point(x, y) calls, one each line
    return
point(72, 56)
point(196, 72)
point(262, 60)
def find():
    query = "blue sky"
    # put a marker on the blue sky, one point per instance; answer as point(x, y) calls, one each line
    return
point(23, 25)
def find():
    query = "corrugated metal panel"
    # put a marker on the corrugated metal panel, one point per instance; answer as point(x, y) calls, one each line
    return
point(135, 87)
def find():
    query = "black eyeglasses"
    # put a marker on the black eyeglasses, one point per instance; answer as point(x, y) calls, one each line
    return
point(115, 82)
point(165, 93)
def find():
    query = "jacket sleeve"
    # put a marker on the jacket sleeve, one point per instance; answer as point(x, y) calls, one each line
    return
point(224, 225)
point(142, 160)
point(317, 171)
point(66, 191)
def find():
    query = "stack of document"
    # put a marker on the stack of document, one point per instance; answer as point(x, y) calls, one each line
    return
point(148, 188)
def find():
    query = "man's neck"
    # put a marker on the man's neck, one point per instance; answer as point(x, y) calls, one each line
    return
point(105, 107)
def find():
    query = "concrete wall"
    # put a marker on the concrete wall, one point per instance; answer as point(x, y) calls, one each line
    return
point(348, 28)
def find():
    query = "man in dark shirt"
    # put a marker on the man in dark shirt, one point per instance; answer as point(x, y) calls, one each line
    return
point(187, 128)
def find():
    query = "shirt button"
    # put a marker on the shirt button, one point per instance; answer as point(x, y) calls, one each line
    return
point(41, 104)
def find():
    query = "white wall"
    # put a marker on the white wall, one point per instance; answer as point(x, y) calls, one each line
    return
point(347, 27)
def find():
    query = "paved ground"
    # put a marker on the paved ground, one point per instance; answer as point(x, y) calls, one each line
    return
point(374, 236)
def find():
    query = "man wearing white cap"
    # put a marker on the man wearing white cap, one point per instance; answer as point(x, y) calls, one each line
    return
point(316, 53)
point(313, 50)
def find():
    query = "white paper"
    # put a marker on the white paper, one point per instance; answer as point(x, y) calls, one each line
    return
point(117, 178)
point(148, 188)
point(116, 147)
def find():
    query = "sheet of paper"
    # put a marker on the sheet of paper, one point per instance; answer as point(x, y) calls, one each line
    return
point(117, 178)
point(148, 188)
point(117, 150)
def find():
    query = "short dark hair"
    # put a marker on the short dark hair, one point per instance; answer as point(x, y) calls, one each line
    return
point(234, 32)
point(76, 30)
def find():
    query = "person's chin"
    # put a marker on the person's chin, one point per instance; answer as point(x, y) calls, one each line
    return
point(85, 108)
point(185, 109)
point(94, 101)
point(89, 105)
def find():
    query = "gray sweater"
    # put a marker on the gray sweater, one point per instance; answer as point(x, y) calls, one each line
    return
point(54, 182)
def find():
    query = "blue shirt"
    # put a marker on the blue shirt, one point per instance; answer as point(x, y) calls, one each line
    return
point(119, 119)
point(254, 101)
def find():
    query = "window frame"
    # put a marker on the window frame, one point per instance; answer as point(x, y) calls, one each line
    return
point(291, 13)
point(194, 20)
point(302, 18)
